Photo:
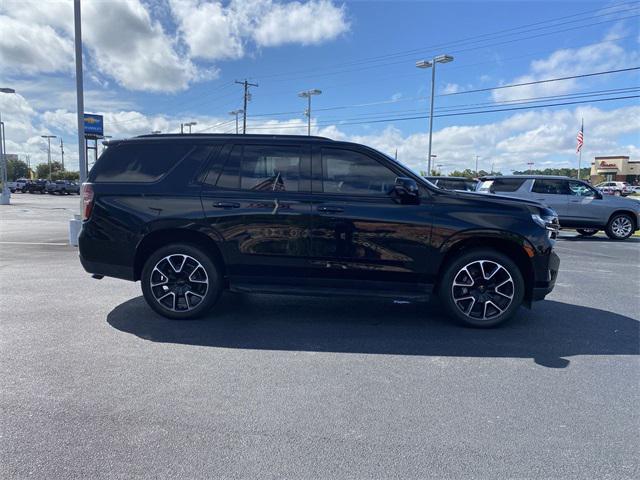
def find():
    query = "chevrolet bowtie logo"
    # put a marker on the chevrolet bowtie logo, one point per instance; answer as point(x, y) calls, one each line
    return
point(91, 120)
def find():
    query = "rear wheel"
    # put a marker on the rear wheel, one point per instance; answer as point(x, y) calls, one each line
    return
point(180, 281)
point(482, 288)
point(587, 232)
point(620, 227)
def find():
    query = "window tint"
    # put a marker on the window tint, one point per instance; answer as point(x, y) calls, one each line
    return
point(551, 187)
point(353, 173)
point(138, 162)
point(270, 168)
point(579, 189)
point(506, 184)
point(261, 168)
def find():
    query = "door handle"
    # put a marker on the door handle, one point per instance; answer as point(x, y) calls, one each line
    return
point(226, 205)
point(330, 209)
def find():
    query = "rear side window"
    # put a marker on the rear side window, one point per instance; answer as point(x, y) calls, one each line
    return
point(138, 162)
point(506, 184)
point(262, 168)
point(551, 187)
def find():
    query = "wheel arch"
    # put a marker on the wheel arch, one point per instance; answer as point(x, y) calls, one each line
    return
point(513, 246)
point(159, 238)
point(633, 215)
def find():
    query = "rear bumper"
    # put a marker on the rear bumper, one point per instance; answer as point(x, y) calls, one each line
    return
point(107, 270)
point(544, 286)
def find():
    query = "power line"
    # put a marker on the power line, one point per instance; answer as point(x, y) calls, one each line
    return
point(421, 117)
point(535, 82)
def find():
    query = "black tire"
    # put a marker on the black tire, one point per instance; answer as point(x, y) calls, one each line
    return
point(497, 307)
point(183, 282)
point(587, 232)
point(620, 227)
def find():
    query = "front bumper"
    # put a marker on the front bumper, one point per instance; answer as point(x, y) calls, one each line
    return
point(543, 287)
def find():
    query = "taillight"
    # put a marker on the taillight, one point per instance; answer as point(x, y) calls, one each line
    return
point(87, 200)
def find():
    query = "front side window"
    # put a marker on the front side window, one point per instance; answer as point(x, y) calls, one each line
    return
point(352, 173)
point(579, 189)
point(551, 187)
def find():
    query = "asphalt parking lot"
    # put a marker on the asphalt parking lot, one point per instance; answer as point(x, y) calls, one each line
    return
point(95, 385)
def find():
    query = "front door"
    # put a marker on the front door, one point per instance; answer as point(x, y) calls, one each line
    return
point(586, 206)
point(359, 233)
point(258, 199)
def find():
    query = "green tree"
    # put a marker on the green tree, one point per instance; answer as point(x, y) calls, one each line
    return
point(66, 175)
point(566, 172)
point(17, 169)
point(42, 170)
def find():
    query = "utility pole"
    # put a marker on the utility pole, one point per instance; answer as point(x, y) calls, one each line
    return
point(477, 157)
point(246, 98)
point(49, 137)
point(530, 165)
point(62, 153)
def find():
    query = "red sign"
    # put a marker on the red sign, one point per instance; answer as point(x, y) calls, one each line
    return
point(604, 164)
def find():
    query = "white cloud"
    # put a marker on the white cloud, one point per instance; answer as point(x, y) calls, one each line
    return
point(33, 48)
point(124, 41)
point(602, 56)
point(304, 23)
point(211, 31)
point(451, 88)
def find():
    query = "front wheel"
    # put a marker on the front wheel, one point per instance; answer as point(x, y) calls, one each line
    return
point(482, 288)
point(180, 281)
point(620, 227)
point(587, 232)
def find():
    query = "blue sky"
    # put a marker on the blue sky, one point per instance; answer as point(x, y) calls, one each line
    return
point(153, 64)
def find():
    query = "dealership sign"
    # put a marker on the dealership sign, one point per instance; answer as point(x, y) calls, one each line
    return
point(93, 125)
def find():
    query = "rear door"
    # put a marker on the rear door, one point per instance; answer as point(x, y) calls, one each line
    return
point(553, 192)
point(257, 196)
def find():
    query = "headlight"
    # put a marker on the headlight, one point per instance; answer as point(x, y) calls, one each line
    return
point(548, 221)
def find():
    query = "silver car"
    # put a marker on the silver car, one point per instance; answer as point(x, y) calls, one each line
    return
point(577, 203)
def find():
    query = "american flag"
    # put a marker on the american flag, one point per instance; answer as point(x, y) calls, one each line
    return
point(580, 137)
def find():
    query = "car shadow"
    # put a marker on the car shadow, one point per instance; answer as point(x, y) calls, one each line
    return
point(548, 334)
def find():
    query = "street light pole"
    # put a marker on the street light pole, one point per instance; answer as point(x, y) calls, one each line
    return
point(477, 157)
point(5, 197)
point(432, 64)
point(82, 153)
point(236, 113)
point(49, 137)
point(308, 94)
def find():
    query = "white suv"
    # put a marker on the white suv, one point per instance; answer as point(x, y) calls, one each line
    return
point(614, 188)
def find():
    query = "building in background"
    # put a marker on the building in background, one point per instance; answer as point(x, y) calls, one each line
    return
point(616, 168)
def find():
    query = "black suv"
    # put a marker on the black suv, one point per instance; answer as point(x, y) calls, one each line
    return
point(192, 215)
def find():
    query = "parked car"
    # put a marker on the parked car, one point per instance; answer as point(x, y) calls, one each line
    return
point(634, 189)
point(21, 184)
point(614, 188)
point(63, 187)
point(12, 186)
point(454, 183)
point(192, 215)
point(578, 204)
point(37, 186)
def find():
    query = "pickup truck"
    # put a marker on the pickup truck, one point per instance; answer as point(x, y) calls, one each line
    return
point(63, 187)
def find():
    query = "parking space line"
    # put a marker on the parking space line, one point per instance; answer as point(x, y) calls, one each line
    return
point(31, 243)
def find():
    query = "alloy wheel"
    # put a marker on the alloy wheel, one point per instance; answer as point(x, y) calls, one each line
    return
point(179, 282)
point(483, 289)
point(621, 227)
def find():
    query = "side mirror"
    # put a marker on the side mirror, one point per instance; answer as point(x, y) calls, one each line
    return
point(406, 191)
point(598, 195)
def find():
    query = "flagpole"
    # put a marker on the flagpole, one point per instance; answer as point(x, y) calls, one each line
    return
point(579, 162)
